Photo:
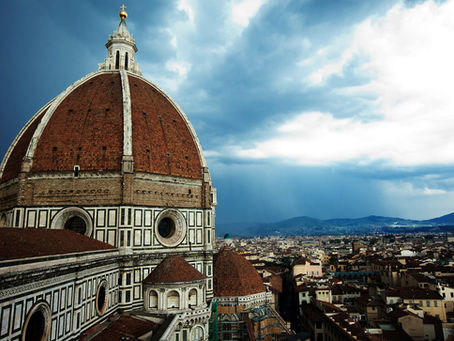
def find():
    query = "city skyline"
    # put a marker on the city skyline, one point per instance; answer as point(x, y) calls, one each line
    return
point(333, 109)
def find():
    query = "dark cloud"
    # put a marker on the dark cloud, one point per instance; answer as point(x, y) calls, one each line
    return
point(240, 87)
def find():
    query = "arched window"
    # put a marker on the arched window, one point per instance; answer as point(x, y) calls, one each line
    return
point(192, 299)
point(117, 60)
point(126, 61)
point(153, 300)
point(197, 334)
point(3, 220)
point(173, 300)
point(101, 298)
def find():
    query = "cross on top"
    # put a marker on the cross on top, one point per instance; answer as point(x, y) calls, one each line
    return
point(123, 7)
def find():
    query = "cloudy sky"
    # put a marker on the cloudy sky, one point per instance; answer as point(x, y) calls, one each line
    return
point(330, 109)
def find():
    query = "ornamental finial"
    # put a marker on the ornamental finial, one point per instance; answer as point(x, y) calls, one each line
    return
point(123, 14)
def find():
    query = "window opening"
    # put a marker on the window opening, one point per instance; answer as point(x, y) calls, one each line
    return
point(166, 227)
point(101, 298)
point(17, 218)
point(117, 60)
point(76, 224)
point(122, 218)
point(126, 61)
point(122, 238)
point(76, 171)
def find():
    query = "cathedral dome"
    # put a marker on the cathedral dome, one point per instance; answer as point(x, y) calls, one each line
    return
point(113, 137)
point(95, 121)
point(234, 275)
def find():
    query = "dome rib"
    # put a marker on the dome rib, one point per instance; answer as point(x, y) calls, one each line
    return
point(163, 142)
point(12, 163)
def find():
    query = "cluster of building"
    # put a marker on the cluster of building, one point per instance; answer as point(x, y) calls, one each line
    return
point(386, 287)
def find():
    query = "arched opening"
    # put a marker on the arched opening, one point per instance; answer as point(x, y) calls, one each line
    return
point(166, 227)
point(3, 220)
point(37, 323)
point(173, 300)
point(192, 298)
point(197, 334)
point(76, 224)
point(101, 298)
point(35, 327)
point(126, 61)
point(153, 300)
point(117, 60)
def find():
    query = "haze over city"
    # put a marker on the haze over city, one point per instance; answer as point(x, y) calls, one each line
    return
point(328, 109)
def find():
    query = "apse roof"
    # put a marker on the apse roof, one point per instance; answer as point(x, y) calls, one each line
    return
point(234, 275)
point(174, 269)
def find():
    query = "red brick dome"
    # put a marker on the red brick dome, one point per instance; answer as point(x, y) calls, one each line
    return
point(174, 269)
point(234, 275)
point(100, 119)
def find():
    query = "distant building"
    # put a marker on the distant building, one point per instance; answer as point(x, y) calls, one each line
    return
point(307, 267)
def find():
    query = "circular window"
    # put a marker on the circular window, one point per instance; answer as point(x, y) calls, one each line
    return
point(75, 219)
point(170, 227)
point(37, 323)
point(166, 227)
point(101, 298)
point(76, 224)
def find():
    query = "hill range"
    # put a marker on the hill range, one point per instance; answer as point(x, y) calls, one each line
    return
point(307, 226)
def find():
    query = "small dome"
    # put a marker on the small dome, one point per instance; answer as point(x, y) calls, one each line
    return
point(234, 275)
point(174, 269)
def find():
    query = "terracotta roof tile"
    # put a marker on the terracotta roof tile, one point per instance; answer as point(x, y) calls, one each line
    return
point(19, 243)
point(174, 269)
point(89, 119)
point(125, 327)
point(234, 275)
point(163, 143)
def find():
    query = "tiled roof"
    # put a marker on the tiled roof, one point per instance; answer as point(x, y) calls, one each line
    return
point(125, 328)
point(162, 142)
point(275, 283)
point(302, 260)
point(413, 293)
point(234, 275)
point(19, 243)
point(174, 269)
point(88, 119)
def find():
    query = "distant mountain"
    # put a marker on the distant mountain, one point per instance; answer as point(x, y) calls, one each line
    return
point(447, 219)
point(313, 226)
